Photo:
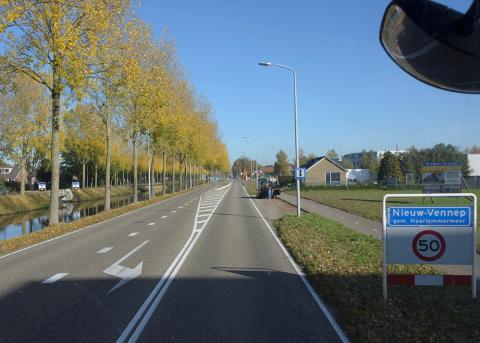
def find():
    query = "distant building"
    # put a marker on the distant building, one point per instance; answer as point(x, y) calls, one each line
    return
point(358, 175)
point(267, 169)
point(474, 163)
point(322, 171)
point(357, 157)
point(10, 174)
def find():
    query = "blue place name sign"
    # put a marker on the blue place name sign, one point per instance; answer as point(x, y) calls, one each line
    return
point(429, 216)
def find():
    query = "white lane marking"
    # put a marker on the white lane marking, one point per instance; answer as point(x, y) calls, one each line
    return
point(316, 297)
point(104, 250)
point(133, 234)
point(218, 189)
point(174, 211)
point(163, 217)
point(95, 226)
point(124, 273)
point(55, 278)
point(150, 224)
point(180, 207)
point(136, 326)
point(203, 215)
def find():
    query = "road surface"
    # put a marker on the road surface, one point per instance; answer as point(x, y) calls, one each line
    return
point(201, 267)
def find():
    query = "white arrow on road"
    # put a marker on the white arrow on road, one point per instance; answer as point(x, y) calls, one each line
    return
point(124, 273)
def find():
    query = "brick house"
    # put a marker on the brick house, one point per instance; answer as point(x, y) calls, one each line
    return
point(322, 171)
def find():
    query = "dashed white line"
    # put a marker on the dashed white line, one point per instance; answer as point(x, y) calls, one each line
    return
point(55, 278)
point(104, 250)
point(174, 211)
point(150, 224)
point(180, 207)
point(136, 326)
point(164, 217)
point(133, 234)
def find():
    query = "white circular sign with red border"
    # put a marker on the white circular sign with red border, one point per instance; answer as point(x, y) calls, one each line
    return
point(429, 245)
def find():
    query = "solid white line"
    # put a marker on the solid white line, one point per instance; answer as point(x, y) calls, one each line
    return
point(133, 234)
point(104, 250)
point(148, 307)
point(55, 278)
point(164, 217)
point(302, 275)
point(150, 224)
point(95, 225)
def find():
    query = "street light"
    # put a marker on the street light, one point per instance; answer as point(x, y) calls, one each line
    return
point(269, 64)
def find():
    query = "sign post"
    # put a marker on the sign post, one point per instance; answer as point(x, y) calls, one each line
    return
point(300, 173)
point(430, 235)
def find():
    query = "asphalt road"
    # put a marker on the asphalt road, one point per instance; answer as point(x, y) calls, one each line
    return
point(201, 267)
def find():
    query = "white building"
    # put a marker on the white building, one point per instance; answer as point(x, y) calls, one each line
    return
point(474, 163)
point(358, 175)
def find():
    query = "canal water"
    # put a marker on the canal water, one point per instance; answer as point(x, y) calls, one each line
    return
point(27, 222)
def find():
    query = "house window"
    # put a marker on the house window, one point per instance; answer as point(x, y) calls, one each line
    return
point(332, 178)
point(5, 171)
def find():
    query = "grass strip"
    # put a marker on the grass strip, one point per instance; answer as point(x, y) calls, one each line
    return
point(53, 231)
point(367, 203)
point(15, 203)
point(251, 188)
point(345, 267)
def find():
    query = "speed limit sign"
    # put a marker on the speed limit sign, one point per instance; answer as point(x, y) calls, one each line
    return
point(430, 235)
point(428, 245)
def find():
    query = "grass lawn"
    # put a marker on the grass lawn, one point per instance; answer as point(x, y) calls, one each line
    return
point(368, 202)
point(345, 268)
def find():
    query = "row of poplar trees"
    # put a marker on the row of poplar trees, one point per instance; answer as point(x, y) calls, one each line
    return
point(94, 60)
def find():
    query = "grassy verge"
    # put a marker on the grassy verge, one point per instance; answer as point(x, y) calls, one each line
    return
point(62, 228)
point(345, 268)
point(83, 194)
point(17, 203)
point(250, 187)
point(368, 202)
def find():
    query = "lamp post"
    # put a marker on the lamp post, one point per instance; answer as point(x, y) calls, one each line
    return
point(269, 64)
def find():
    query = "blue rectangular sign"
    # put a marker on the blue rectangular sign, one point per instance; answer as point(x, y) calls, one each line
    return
point(429, 216)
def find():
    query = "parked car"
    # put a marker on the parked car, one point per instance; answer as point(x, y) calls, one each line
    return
point(42, 186)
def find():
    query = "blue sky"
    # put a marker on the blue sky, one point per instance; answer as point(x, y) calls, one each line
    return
point(351, 95)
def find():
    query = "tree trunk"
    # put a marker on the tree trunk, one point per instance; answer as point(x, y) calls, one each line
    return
point(164, 171)
point(173, 174)
point(135, 171)
point(22, 176)
point(96, 175)
point(84, 164)
point(55, 150)
point(107, 167)
point(180, 177)
point(153, 172)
